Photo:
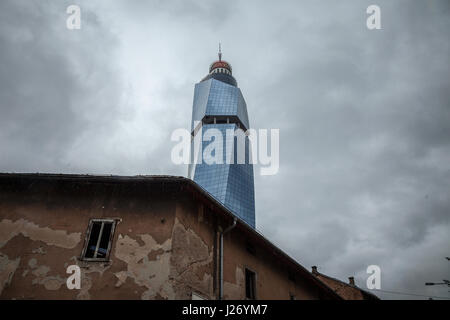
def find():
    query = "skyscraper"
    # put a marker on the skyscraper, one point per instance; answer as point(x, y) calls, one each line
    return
point(219, 107)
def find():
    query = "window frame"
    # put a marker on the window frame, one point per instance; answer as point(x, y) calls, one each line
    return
point(88, 236)
point(255, 277)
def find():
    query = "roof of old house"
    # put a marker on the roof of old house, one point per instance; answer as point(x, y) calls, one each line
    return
point(346, 290)
point(173, 183)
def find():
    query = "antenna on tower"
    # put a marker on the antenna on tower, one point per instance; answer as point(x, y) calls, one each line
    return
point(220, 52)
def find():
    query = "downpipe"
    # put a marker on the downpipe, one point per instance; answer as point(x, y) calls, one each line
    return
point(221, 257)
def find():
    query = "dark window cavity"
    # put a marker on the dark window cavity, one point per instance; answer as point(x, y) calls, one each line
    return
point(250, 284)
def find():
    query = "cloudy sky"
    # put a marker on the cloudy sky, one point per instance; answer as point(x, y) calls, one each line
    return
point(364, 115)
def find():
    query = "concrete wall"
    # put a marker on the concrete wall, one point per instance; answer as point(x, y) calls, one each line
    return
point(273, 277)
point(164, 246)
point(42, 231)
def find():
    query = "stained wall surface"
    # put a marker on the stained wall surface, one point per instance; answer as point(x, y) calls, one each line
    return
point(165, 244)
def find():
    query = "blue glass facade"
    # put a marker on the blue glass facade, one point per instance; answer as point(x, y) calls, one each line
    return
point(216, 98)
point(219, 106)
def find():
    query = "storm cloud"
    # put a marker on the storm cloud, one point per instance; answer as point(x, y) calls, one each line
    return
point(364, 115)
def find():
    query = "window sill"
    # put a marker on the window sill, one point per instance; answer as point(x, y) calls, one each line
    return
point(94, 261)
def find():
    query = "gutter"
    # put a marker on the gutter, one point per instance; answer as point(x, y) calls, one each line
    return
point(221, 257)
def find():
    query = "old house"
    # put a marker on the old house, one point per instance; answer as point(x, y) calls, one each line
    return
point(141, 237)
point(347, 291)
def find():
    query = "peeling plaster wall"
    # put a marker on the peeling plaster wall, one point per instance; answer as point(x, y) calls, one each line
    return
point(164, 247)
point(42, 277)
point(272, 276)
point(7, 269)
point(43, 224)
point(147, 263)
point(192, 262)
point(154, 254)
point(153, 274)
point(60, 238)
point(88, 273)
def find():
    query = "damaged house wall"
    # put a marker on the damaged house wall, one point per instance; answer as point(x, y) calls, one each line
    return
point(164, 246)
point(275, 279)
point(43, 224)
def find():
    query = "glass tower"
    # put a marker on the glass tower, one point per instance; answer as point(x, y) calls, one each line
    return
point(220, 113)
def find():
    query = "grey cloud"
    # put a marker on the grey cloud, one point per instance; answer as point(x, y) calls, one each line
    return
point(364, 116)
point(56, 84)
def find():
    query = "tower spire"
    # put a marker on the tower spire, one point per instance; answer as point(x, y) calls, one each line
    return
point(220, 52)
